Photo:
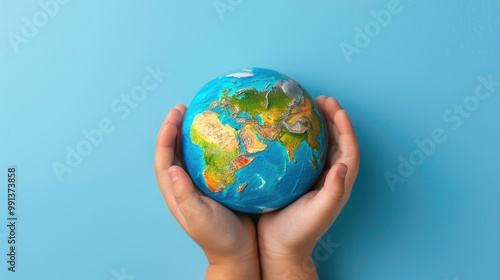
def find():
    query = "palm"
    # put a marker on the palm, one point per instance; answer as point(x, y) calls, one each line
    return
point(224, 230)
point(286, 228)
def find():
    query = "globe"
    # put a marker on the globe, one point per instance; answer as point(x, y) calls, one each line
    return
point(253, 140)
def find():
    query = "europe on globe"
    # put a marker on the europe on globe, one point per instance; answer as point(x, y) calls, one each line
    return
point(253, 140)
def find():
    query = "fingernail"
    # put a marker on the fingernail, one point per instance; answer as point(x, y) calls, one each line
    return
point(342, 171)
point(174, 175)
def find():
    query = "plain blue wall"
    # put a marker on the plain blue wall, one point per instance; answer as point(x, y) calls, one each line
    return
point(107, 220)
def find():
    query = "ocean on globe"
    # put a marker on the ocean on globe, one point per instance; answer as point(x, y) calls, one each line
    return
point(253, 140)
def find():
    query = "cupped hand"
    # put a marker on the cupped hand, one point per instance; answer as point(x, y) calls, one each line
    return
point(226, 238)
point(289, 235)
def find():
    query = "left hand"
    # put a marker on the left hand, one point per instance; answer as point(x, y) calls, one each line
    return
point(287, 237)
point(228, 240)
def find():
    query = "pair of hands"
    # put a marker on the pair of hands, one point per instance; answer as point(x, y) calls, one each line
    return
point(235, 246)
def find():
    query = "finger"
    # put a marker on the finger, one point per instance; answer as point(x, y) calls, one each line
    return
point(329, 107)
point(320, 100)
point(348, 150)
point(332, 197)
point(166, 141)
point(164, 156)
point(193, 209)
point(332, 106)
point(165, 145)
point(181, 107)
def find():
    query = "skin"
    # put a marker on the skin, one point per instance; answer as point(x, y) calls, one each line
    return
point(278, 242)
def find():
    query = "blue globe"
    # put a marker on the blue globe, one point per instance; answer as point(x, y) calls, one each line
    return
point(253, 140)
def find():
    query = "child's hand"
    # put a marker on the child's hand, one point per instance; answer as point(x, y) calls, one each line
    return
point(228, 240)
point(287, 237)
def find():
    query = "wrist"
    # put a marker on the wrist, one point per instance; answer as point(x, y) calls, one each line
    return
point(233, 270)
point(297, 265)
point(244, 265)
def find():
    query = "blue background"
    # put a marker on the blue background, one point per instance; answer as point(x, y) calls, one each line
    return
point(107, 220)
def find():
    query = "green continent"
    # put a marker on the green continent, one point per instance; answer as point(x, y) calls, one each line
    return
point(274, 118)
point(274, 102)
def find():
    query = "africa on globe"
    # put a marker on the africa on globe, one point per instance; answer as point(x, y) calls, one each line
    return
point(253, 140)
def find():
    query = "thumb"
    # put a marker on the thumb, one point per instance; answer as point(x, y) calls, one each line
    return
point(332, 196)
point(189, 202)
